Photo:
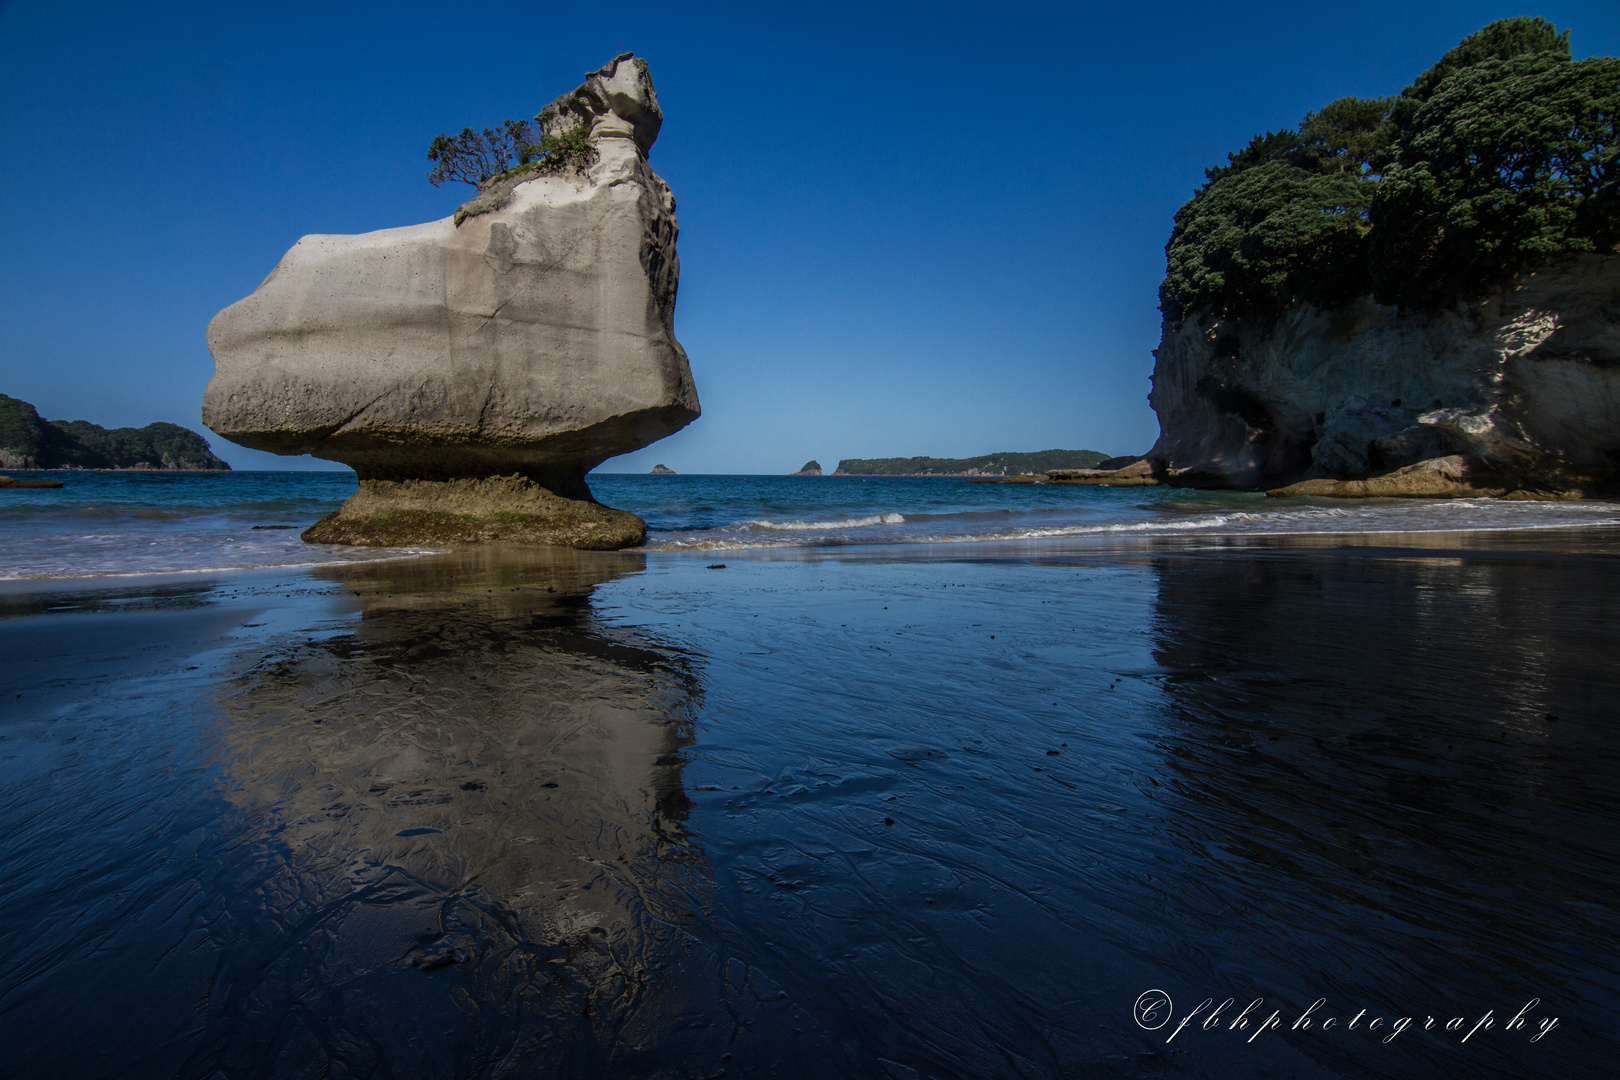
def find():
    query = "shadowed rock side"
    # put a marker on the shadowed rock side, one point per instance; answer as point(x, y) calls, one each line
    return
point(534, 339)
point(1524, 385)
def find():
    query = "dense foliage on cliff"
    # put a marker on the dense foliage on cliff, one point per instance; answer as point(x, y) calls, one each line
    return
point(476, 158)
point(27, 441)
point(1002, 464)
point(1500, 157)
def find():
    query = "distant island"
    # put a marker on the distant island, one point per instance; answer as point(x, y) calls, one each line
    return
point(28, 441)
point(811, 468)
point(661, 470)
point(1005, 463)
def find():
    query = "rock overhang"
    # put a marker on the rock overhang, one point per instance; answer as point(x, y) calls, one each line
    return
point(533, 336)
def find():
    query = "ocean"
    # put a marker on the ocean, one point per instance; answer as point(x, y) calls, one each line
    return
point(123, 523)
point(1030, 782)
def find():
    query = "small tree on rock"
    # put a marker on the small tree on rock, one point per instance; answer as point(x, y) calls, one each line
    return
point(476, 158)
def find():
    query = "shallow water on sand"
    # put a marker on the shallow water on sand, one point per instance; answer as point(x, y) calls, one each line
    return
point(126, 523)
point(871, 812)
point(111, 524)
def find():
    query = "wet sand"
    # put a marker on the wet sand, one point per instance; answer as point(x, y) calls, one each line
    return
point(888, 812)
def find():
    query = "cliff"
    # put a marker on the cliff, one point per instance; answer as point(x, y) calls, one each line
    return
point(1525, 383)
point(528, 337)
point(1431, 278)
point(28, 441)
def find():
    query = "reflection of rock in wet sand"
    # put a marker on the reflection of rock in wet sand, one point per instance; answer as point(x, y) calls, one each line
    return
point(474, 851)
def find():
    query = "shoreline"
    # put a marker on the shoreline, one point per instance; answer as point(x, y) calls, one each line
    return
point(1594, 537)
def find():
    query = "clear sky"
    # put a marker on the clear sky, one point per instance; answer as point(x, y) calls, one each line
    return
point(905, 228)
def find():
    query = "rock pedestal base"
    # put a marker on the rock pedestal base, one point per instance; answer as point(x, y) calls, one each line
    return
point(492, 510)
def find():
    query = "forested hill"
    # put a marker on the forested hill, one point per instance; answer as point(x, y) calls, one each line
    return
point(1002, 464)
point(1499, 158)
point(27, 441)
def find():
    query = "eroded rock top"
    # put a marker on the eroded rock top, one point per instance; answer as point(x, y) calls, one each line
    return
point(619, 102)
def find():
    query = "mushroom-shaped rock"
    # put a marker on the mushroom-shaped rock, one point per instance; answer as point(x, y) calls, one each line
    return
point(472, 370)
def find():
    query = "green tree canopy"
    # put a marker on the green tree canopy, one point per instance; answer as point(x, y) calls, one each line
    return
point(1503, 39)
point(1510, 163)
point(1255, 241)
point(1500, 156)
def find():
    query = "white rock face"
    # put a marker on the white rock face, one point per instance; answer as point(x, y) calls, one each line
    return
point(1526, 382)
point(534, 338)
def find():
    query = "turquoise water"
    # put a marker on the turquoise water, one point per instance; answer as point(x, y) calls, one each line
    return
point(123, 523)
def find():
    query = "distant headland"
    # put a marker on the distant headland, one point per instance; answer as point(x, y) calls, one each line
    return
point(28, 441)
point(1005, 463)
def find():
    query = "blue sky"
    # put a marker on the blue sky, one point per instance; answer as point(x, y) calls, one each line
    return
point(905, 228)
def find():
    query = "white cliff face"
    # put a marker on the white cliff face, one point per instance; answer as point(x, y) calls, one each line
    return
point(534, 338)
point(1525, 382)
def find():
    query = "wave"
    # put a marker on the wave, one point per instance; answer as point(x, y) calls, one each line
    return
point(1458, 516)
point(843, 523)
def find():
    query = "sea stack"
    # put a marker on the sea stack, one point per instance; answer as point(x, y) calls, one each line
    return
point(473, 369)
point(811, 468)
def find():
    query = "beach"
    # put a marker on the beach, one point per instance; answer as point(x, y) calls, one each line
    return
point(879, 809)
point(424, 656)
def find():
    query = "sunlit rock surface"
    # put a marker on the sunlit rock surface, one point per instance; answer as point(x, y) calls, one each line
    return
point(1525, 383)
point(530, 335)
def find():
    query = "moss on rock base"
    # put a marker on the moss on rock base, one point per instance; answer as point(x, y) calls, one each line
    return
point(491, 510)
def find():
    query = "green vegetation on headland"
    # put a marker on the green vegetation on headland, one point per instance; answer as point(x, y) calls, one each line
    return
point(27, 441)
point(1496, 160)
point(1001, 464)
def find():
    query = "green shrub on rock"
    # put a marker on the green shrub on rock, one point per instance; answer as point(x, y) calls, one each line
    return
point(478, 158)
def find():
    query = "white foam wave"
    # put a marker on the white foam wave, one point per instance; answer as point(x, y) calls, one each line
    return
point(812, 526)
point(1413, 517)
